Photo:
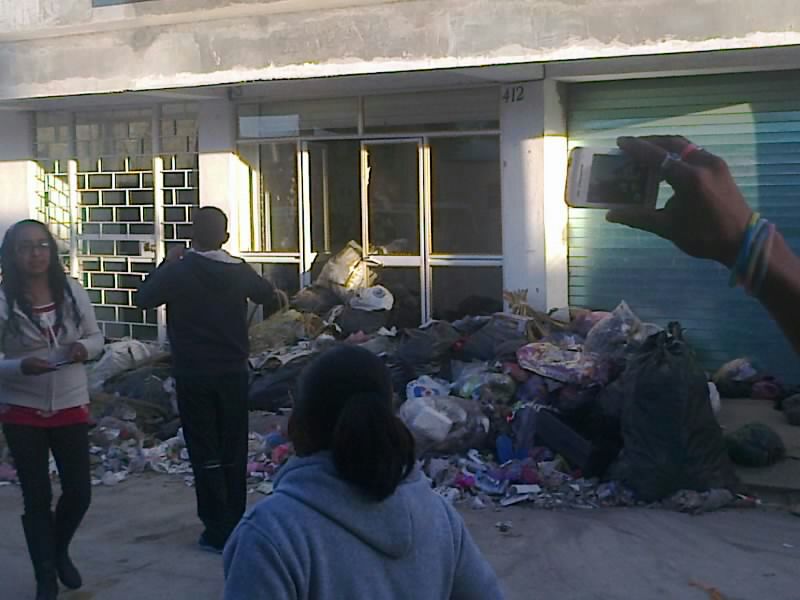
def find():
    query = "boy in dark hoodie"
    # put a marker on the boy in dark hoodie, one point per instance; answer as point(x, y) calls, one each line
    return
point(206, 292)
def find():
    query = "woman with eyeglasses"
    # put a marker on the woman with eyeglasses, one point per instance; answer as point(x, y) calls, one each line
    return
point(47, 331)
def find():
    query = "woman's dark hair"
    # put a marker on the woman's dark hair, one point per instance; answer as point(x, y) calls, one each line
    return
point(13, 283)
point(345, 405)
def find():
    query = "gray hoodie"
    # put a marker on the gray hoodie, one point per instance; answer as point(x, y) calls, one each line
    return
point(318, 538)
point(64, 388)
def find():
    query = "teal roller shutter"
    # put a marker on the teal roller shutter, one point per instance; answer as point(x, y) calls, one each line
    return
point(753, 121)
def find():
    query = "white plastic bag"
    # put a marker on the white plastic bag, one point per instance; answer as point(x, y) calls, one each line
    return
point(119, 357)
point(427, 387)
point(445, 424)
point(372, 298)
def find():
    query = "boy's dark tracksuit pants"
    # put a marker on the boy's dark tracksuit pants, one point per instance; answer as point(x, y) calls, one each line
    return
point(214, 415)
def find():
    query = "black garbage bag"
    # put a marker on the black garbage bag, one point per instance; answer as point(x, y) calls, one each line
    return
point(405, 313)
point(427, 349)
point(352, 320)
point(791, 408)
point(145, 386)
point(402, 373)
point(755, 445)
point(500, 331)
point(276, 389)
point(671, 438)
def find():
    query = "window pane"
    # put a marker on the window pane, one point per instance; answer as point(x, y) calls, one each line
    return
point(453, 110)
point(394, 198)
point(283, 276)
point(463, 291)
point(272, 225)
point(290, 119)
point(465, 191)
point(335, 195)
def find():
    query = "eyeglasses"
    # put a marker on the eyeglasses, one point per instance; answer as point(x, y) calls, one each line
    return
point(28, 248)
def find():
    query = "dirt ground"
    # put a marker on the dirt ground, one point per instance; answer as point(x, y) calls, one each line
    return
point(138, 544)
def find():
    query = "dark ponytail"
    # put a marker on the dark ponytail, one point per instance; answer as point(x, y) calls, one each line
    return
point(344, 406)
point(372, 448)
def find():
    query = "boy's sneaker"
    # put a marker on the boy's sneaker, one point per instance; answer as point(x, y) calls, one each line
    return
point(208, 546)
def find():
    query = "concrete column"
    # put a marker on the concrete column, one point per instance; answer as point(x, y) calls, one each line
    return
point(17, 169)
point(223, 177)
point(534, 165)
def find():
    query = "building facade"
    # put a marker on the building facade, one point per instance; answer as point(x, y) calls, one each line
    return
point(434, 134)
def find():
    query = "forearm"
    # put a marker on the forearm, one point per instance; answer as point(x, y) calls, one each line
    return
point(781, 290)
point(153, 292)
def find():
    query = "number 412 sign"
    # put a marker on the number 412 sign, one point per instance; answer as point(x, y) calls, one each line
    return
point(513, 94)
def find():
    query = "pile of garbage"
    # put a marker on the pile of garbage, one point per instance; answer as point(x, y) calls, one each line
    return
point(137, 428)
point(585, 410)
point(741, 378)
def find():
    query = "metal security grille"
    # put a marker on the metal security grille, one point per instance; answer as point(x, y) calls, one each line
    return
point(180, 196)
point(130, 203)
point(117, 243)
point(753, 122)
point(54, 207)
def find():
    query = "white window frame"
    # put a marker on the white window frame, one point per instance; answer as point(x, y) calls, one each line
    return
point(426, 260)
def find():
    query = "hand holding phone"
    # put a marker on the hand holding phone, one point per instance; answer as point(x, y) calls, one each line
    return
point(36, 366)
point(607, 178)
point(707, 215)
point(77, 353)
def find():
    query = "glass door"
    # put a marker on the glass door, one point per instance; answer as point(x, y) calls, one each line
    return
point(334, 198)
point(426, 212)
point(393, 221)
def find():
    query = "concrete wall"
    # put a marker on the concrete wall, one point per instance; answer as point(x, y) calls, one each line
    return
point(224, 179)
point(534, 171)
point(17, 171)
point(61, 47)
point(53, 17)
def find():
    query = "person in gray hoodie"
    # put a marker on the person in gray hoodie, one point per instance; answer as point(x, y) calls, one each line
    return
point(352, 516)
point(47, 330)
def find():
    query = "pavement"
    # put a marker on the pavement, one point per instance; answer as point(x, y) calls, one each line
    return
point(138, 543)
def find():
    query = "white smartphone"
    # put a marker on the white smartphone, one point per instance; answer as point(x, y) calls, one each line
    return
point(607, 178)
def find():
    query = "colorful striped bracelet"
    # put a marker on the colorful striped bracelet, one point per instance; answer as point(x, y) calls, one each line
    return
point(742, 259)
point(763, 264)
point(752, 262)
